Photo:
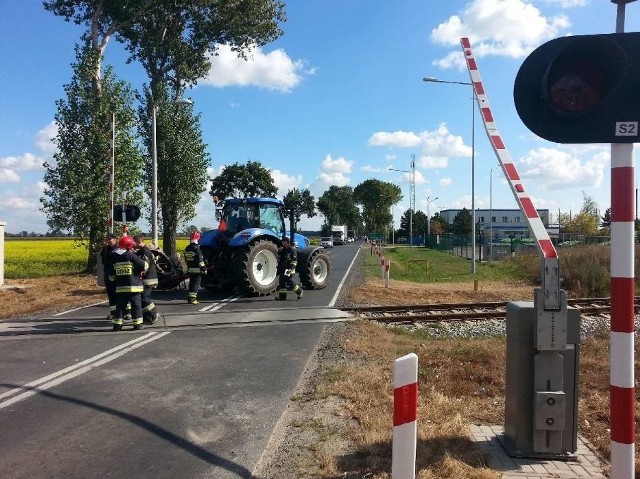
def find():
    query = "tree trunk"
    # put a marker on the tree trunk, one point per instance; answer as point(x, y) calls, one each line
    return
point(168, 237)
point(93, 248)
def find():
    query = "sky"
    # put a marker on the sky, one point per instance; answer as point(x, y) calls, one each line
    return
point(337, 100)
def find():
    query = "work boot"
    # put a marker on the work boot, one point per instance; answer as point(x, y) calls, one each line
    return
point(194, 301)
point(138, 327)
point(300, 294)
point(117, 327)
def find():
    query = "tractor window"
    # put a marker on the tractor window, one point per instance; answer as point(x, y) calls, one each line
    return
point(270, 218)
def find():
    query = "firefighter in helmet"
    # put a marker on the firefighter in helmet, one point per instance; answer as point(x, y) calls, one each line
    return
point(111, 243)
point(287, 262)
point(126, 269)
point(149, 281)
point(195, 266)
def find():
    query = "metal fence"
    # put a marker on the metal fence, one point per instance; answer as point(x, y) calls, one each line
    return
point(460, 245)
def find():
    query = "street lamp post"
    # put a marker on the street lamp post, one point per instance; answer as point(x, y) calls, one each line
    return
point(429, 201)
point(473, 155)
point(154, 167)
point(412, 194)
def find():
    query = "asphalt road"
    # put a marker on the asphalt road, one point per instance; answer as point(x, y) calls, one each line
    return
point(196, 396)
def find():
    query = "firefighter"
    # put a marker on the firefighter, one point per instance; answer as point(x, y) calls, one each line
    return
point(111, 243)
point(195, 266)
point(149, 281)
point(126, 269)
point(287, 261)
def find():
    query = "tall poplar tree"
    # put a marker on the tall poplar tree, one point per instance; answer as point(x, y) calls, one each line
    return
point(76, 198)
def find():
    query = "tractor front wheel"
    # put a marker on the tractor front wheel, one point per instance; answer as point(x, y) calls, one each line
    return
point(256, 266)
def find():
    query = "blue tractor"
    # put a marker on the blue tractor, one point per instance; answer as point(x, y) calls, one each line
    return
point(243, 252)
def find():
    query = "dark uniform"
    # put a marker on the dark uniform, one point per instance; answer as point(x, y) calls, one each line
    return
point(126, 269)
point(110, 244)
point(287, 262)
point(149, 281)
point(195, 266)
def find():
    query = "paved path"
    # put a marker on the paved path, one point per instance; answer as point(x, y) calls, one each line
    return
point(586, 464)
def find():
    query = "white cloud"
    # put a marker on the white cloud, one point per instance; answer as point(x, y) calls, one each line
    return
point(555, 169)
point(400, 139)
point(7, 175)
point(285, 182)
point(371, 169)
point(26, 162)
point(44, 139)
point(339, 165)
point(272, 71)
point(569, 3)
point(510, 28)
point(445, 181)
point(437, 146)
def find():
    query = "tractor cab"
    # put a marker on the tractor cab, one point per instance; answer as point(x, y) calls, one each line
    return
point(238, 215)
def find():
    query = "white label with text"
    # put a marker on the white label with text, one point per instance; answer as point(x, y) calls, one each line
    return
point(626, 128)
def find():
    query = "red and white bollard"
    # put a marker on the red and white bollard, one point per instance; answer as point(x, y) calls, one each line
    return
point(405, 412)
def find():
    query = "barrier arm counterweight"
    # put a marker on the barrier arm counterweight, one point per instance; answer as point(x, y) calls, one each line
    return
point(550, 261)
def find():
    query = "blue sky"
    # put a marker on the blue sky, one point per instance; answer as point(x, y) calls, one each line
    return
point(338, 99)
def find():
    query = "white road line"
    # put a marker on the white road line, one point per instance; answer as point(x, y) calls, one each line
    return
point(220, 304)
point(344, 278)
point(70, 372)
point(79, 308)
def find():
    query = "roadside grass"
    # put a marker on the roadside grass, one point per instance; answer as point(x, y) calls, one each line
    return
point(585, 270)
point(44, 257)
point(461, 381)
point(422, 265)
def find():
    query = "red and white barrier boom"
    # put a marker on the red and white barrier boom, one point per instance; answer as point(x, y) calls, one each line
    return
point(539, 419)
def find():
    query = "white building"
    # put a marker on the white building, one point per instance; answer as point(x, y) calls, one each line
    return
point(502, 223)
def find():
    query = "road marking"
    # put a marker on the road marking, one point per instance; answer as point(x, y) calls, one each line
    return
point(344, 278)
point(71, 372)
point(217, 305)
point(80, 307)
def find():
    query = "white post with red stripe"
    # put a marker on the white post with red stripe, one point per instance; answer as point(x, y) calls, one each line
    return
point(405, 413)
point(621, 341)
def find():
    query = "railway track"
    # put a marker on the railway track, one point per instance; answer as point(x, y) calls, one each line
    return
point(466, 311)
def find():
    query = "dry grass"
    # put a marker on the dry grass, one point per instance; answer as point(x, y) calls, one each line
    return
point(30, 296)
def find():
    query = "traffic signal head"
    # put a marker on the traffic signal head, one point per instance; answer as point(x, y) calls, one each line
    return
point(582, 89)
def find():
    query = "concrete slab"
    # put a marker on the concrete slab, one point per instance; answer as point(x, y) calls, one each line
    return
point(585, 465)
point(67, 324)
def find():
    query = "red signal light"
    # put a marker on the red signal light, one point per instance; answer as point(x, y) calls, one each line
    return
point(575, 86)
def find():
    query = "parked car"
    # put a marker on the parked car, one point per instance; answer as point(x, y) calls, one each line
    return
point(326, 241)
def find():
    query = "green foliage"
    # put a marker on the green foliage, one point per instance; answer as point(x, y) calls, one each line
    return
point(338, 207)
point(301, 202)
point(462, 223)
point(243, 181)
point(76, 198)
point(182, 163)
point(376, 198)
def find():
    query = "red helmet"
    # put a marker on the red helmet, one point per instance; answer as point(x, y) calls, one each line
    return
point(126, 242)
point(195, 235)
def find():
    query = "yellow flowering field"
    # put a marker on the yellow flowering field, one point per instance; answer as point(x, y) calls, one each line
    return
point(40, 257)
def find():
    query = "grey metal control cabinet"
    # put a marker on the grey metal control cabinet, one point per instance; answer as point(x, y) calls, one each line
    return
point(541, 403)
